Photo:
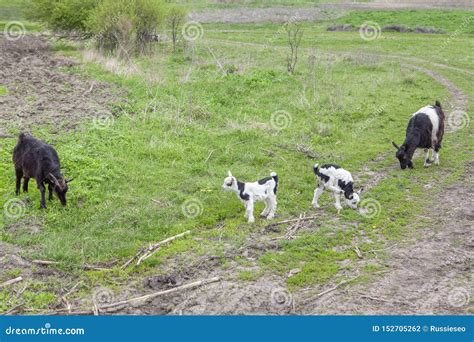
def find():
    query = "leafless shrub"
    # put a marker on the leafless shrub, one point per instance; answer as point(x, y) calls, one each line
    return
point(294, 33)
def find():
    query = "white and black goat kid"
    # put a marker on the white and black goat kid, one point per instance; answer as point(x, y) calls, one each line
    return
point(425, 130)
point(334, 178)
point(264, 190)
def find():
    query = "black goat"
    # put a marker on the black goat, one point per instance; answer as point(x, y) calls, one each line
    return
point(35, 159)
point(425, 130)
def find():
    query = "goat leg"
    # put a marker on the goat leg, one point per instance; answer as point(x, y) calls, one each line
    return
point(50, 192)
point(19, 175)
point(25, 184)
point(42, 190)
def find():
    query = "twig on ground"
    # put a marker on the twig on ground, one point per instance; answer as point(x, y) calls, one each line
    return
point(11, 282)
point(378, 299)
point(209, 156)
point(294, 228)
point(85, 266)
point(290, 221)
point(135, 301)
point(12, 310)
point(145, 253)
point(336, 286)
point(45, 262)
point(358, 252)
point(306, 151)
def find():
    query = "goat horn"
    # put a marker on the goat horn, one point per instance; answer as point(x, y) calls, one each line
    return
point(69, 180)
point(395, 145)
point(54, 179)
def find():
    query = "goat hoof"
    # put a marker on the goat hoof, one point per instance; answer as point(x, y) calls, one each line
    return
point(251, 220)
point(316, 206)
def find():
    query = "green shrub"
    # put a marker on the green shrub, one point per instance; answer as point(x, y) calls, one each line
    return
point(125, 26)
point(61, 15)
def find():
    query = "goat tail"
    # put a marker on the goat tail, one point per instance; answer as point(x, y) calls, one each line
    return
point(438, 104)
point(316, 168)
point(275, 178)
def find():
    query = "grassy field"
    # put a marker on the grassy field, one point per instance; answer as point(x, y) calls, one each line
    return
point(227, 103)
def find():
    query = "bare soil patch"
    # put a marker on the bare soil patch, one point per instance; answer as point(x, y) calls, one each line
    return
point(40, 93)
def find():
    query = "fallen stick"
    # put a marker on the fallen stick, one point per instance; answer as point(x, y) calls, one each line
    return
point(137, 300)
point(85, 266)
point(45, 262)
point(385, 300)
point(145, 253)
point(12, 310)
point(291, 220)
point(335, 287)
point(358, 252)
point(11, 282)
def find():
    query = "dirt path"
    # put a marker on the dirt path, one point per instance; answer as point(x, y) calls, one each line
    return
point(431, 274)
point(39, 93)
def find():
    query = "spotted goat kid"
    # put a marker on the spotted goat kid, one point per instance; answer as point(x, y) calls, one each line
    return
point(334, 178)
point(264, 190)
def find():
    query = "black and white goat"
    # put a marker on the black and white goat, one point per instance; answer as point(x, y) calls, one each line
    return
point(264, 190)
point(334, 178)
point(35, 159)
point(425, 130)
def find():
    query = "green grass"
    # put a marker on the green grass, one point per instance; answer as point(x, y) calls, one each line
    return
point(445, 20)
point(173, 141)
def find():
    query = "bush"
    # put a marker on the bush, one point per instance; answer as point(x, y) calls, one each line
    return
point(175, 18)
point(61, 15)
point(125, 26)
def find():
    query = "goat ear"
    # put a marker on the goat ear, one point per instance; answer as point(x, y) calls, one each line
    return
point(69, 180)
point(395, 145)
point(229, 173)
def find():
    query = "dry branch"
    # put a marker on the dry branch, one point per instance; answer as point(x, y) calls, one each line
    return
point(11, 282)
point(135, 301)
point(45, 262)
point(85, 266)
point(358, 252)
point(335, 287)
point(291, 221)
point(145, 253)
